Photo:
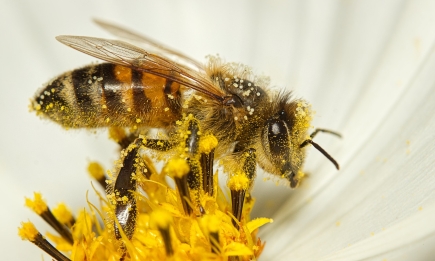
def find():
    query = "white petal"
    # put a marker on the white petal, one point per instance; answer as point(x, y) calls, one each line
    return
point(386, 187)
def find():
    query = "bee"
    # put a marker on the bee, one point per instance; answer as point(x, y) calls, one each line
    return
point(139, 89)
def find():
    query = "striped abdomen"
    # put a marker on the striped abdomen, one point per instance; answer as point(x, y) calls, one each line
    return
point(105, 95)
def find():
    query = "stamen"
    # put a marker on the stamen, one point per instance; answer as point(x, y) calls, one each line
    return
point(238, 184)
point(97, 172)
point(207, 146)
point(212, 224)
point(162, 221)
point(241, 183)
point(178, 169)
point(27, 231)
point(64, 215)
point(39, 206)
point(119, 136)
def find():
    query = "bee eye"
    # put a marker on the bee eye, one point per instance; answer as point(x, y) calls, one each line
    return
point(277, 134)
point(277, 141)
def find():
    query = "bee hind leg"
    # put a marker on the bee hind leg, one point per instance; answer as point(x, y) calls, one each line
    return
point(124, 191)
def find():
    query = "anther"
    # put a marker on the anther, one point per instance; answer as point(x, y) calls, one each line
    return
point(241, 183)
point(207, 146)
point(27, 231)
point(161, 220)
point(178, 169)
point(211, 224)
point(64, 215)
point(238, 185)
point(96, 171)
point(39, 206)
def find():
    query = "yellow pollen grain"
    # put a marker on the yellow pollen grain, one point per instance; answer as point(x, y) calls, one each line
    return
point(128, 109)
point(62, 213)
point(177, 167)
point(138, 120)
point(107, 120)
point(300, 175)
point(211, 223)
point(104, 106)
point(116, 134)
point(207, 144)
point(37, 204)
point(160, 219)
point(27, 231)
point(238, 182)
point(166, 109)
point(96, 170)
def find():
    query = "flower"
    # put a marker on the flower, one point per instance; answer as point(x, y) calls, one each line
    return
point(365, 66)
point(193, 221)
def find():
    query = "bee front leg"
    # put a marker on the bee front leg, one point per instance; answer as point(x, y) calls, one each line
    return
point(241, 183)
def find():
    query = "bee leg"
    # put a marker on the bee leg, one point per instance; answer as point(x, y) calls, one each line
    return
point(124, 140)
point(158, 144)
point(124, 189)
point(119, 135)
point(194, 175)
point(240, 184)
point(127, 140)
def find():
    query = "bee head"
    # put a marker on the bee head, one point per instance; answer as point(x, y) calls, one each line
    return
point(284, 131)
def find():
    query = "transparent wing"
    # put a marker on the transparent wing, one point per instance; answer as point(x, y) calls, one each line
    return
point(122, 53)
point(149, 43)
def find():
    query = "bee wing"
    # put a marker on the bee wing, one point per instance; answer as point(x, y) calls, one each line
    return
point(122, 53)
point(149, 43)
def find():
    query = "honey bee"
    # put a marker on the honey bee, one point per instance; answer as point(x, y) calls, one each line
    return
point(139, 89)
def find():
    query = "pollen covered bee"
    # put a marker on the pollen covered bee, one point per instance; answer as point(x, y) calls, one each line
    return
point(137, 90)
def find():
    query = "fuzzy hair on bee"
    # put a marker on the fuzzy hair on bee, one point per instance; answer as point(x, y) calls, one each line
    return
point(137, 90)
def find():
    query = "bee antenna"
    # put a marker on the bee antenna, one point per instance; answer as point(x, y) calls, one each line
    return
point(317, 146)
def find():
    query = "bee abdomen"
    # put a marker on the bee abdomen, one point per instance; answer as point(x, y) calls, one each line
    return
point(106, 95)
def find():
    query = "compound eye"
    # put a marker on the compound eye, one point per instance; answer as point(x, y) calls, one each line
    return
point(278, 142)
